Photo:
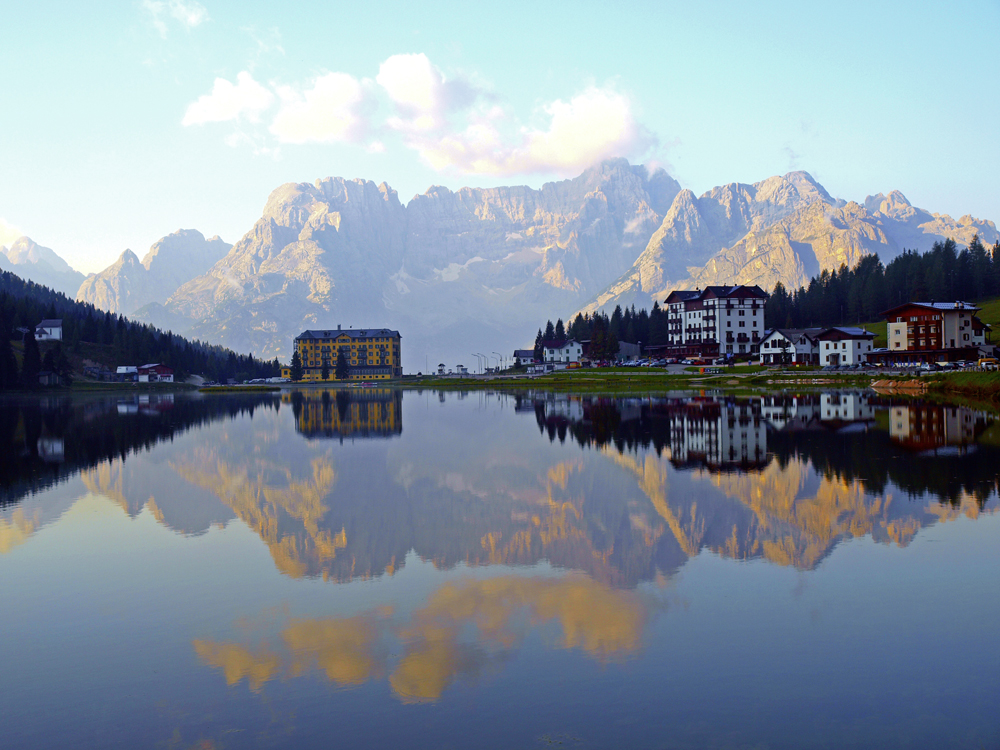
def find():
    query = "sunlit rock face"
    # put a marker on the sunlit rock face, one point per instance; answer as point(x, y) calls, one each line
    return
point(784, 229)
point(129, 284)
point(450, 270)
point(459, 271)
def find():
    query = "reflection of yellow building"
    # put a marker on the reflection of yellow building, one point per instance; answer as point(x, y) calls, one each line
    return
point(371, 353)
point(354, 412)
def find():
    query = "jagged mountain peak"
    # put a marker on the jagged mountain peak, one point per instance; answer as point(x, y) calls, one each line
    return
point(25, 250)
point(894, 204)
point(42, 265)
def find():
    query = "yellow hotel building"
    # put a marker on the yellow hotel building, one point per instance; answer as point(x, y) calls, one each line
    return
point(371, 353)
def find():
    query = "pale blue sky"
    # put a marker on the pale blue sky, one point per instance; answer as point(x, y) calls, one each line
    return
point(101, 148)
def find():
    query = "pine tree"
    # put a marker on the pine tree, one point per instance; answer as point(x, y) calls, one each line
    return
point(296, 368)
point(325, 370)
point(32, 363)
point(8, 363)
point(538, 346)
point(343, 371)
point(560, 330)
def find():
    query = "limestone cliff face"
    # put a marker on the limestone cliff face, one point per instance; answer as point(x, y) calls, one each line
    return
point(450, 269)
point(29, 260)
point(126, 285)
point(122, 287)
point(785, 229)
point(479, 268)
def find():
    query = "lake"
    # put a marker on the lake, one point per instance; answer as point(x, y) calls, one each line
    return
point(374, 568)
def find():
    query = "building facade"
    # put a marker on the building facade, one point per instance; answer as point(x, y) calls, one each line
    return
point(49, 330)
point(844, 346)
point(371, 354)
point(523, 357)
point(155, 373)
point(931, 331)
point(794, 346)
point(563, 351)
point(715, 321)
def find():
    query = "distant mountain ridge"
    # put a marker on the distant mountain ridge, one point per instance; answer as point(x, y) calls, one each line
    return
point(785, 229)
point(455, 272)
point(477, 269)
point(128, 283)
point(28, 259)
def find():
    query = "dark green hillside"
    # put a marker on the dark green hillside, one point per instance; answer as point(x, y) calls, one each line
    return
point(94, 338)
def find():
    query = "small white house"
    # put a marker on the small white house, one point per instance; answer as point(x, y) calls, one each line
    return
point(844, 346)
point(49, 330)
point(790, 346)
point(564, 351)
point(523, 357)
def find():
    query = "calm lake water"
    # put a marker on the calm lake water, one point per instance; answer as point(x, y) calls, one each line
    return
point(372, 568)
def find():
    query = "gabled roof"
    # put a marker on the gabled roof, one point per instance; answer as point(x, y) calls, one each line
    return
point(794, 333)
point(50, 323)
point(354, 333)
point(682, 295)
point(716, 292)
point(521, 353)
point(558, 343)
point(840, 333)
point(956, 305)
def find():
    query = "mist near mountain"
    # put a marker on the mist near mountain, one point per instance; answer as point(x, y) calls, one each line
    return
point(29, 260)
point(128, 283)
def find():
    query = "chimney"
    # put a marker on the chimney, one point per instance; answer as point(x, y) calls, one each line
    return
point(338, 326)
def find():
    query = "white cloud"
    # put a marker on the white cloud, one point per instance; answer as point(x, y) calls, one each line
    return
point(422, 96)
point(188, 14)
point(452, 124)
point(336, 109)
point(229, 102)
point(594, 125)
point(9, 233)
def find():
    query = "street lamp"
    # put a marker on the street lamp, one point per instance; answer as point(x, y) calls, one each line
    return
point(499, 360)
point(479, 360)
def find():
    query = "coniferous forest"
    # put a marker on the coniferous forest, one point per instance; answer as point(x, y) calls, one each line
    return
point(942, 274)
point(102, 336)
point(848, 295)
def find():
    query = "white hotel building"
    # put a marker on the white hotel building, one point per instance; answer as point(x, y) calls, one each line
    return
point(715, 321)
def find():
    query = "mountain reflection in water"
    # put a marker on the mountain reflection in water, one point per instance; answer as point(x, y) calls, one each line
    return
point(464, 628)
point(285, 568)
point(782, 478)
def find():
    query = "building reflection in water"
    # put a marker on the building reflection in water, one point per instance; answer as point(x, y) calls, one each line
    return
point(933, 429)
point(346, 412)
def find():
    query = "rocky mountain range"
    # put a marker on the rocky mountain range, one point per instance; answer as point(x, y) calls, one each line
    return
point(128, 283)
point(785, 229)
point(477, 270)
point(42, 265)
